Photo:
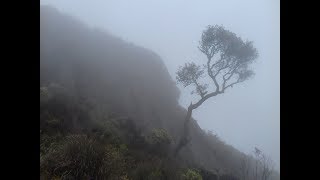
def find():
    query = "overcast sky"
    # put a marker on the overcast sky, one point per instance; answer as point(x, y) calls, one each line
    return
point(246, 116)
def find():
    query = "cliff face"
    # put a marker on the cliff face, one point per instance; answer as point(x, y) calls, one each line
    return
point(105, 69)
point(123, 78)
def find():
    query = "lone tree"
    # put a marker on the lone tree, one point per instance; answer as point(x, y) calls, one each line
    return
point(228, 59)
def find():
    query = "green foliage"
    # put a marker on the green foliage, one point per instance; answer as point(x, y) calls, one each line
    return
point(106, 131)
point(191, 174)
point(228, 61)
point(114, 163)
point(216, 39)
point(159, 142)
point(156, 174)
point(189, 73)
point(233, 55)
point(118, 132)
point(159, 137)
point(81, 157)
point(110, 148)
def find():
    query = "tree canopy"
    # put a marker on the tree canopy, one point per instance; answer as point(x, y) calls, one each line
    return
point(228, 62)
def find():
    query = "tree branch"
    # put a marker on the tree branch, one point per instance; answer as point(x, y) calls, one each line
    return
point(196, 105)
point(222, 57)
point(225, 67)
point(231, 72)
point(214, 64)
point(199, 88)
point(238, 81)
point(203, 49)
point(211, 51)
point(211, 76)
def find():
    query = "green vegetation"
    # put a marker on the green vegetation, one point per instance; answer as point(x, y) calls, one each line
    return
point(112, 148)
point(190, 174)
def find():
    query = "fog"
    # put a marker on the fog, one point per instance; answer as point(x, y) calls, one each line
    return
point(246, 116)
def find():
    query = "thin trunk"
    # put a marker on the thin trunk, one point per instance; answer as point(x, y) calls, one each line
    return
point(185, 139)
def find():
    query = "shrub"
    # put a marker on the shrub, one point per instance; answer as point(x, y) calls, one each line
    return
point(159, 142)
point(159, 136)
point(106, 132)
point(48, 142)
point(80, 157)
point(114, 164)
point(191, 174)
point(156, 174)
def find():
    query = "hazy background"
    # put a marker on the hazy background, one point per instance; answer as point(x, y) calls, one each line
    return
point(247, 115)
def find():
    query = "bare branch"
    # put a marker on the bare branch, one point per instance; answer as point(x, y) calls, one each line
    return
point(222, 57)
point(220, 69)
point(214, 64)
point(211, 76)
point(230, 73)
point(200, 89)
point(232, 70)
point(226, 79)
point(212, 52)
point(230, 85)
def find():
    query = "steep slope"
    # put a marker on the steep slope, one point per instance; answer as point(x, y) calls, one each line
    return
point(123, 78)
point(97, 65)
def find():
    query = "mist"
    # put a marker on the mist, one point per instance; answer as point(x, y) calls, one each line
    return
point(246, 116)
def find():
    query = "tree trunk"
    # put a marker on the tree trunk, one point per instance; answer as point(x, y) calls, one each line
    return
point(185, 139)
